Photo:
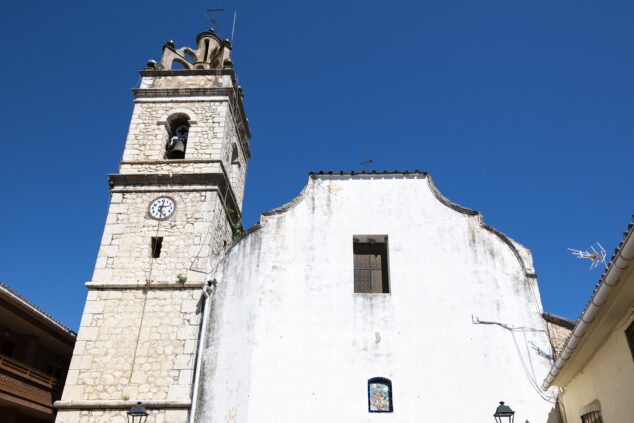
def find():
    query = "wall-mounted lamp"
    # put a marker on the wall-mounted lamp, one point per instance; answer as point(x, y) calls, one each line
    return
point(137, 413)
point(504, 414)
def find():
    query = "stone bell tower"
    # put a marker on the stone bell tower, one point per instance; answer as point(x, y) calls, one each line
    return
point(175, 204)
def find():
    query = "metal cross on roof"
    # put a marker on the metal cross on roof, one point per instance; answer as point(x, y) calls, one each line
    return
point(366, 162)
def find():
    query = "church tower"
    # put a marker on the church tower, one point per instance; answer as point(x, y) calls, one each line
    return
point(175, 204)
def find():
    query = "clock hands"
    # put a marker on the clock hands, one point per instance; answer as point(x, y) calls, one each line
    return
point(162, 208)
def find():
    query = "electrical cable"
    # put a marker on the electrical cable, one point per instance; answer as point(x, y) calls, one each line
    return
point(512, 329)
point(145, 294)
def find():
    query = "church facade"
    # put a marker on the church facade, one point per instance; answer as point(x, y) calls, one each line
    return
point(368, 297)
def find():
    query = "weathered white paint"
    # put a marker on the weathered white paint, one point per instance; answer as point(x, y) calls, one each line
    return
point(289, 340)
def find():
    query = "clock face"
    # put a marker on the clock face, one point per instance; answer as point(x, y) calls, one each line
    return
point(162, 208)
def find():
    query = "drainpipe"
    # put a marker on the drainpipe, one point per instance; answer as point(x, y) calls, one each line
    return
point(621, 261)
point(207, 290)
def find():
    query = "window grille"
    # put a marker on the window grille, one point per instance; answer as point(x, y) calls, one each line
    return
point(629, 334)
point(370, 265)
point(592, 417)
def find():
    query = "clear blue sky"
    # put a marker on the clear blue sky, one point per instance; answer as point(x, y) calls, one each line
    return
point(520, 109)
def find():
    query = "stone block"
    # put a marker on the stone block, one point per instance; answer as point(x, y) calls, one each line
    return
point(88, 333)
point(68, 416)
point(187, 332)
point(185, 377)
point(102, 275)
point(94, 307)
point(176, 416)
point(179, 392)
point(184, 361)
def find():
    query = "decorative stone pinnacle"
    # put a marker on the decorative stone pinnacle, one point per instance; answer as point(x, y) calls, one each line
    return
point(212, 53)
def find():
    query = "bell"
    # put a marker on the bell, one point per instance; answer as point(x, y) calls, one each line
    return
point(176, 150)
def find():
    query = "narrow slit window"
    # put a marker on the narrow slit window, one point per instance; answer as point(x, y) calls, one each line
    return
point(157, 244)
point(371, 264)
point(629, 334)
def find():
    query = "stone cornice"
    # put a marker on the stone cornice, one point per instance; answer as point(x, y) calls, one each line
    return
point(157, 180)
point(183, 92)
point(168, 161)
point(232, 93)
point(158, 285)
point(120, 404)
point(187, 72)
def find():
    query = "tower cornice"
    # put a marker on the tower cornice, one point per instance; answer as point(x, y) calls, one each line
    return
point(186, 72)
point(233, 94)
point(144, 181)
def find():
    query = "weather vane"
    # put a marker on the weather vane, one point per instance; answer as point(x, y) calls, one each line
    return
point(366, 162)
point(596, 255)
point(210, 16)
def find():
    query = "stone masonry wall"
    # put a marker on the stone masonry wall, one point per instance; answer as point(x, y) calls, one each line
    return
point(136, 345)
point(171, 166)
point(211, 137)
point(147, 135)
point(119, 416)
point(238, 166)
point(186, 81)
point(558, 336)
point(139, 331)
point(197, 229)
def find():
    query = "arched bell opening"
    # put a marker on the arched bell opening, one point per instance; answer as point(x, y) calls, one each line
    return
point(178, 131)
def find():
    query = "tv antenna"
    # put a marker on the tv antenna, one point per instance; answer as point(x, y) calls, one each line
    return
point(210, 13)
point(366, 162)
point(596, 255)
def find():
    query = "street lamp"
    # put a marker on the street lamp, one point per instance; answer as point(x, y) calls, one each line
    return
point(504, 413)
point(137, 414)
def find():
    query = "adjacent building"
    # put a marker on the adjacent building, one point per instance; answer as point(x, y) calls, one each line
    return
point(559, 330)
point(35, 351)
point(595, 371)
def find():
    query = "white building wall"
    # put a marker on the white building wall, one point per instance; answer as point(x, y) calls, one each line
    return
point(607, 379)
point(289, 340)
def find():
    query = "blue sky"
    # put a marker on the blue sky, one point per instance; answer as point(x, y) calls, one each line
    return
point(522, 110)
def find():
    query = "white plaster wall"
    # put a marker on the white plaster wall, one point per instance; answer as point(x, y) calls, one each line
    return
point(607, 377)
point(290, 341)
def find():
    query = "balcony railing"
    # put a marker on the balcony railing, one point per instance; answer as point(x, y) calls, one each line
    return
point(26, 387)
